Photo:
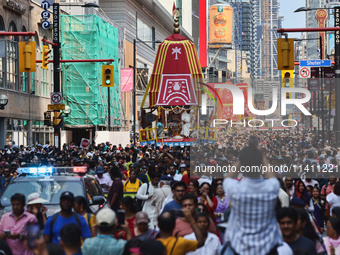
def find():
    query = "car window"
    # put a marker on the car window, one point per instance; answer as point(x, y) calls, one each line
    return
point(90, 192)
point(97, 189)
point(49, 190)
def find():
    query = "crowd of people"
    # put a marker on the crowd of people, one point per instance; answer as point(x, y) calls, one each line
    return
point(159, 202)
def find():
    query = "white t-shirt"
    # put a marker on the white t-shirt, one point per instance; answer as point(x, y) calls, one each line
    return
point(333, 200)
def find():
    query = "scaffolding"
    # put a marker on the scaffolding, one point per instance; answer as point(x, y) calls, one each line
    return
point(89, 37)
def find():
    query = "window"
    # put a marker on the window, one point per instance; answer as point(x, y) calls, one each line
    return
point(34, 83)
point(2, 60)
point(43, 82)
point(12, 57)
point(145, 32)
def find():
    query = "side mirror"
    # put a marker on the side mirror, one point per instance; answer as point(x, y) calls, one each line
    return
point(98, 200)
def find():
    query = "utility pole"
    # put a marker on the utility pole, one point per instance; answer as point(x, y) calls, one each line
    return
point(56, 64)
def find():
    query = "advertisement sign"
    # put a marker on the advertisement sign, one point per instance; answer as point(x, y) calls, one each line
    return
point(221, 23)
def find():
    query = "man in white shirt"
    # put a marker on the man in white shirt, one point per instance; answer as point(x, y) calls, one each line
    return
point(145, 193)
point(104, 180)
point(174, 175)
point(212, 244)
point(310, 182)
point(159, 195)
point(186, 119)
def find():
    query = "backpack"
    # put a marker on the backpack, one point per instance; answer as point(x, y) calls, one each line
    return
point(140, 203)
point(55, 216)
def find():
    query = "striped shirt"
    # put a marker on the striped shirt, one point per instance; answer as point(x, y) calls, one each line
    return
point(252, 226)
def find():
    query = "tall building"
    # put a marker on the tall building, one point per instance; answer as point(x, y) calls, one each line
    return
point(267, 17)
point(312, 45)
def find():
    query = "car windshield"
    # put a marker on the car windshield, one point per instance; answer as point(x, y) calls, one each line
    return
point(49, 190)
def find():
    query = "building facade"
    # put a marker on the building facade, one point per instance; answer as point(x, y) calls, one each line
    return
point(21, 122)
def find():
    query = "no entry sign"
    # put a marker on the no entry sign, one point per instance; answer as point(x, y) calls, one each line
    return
point(56, 98)
point(304, 72)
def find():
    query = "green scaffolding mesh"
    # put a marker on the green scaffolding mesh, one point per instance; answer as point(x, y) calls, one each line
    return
point(89, 37)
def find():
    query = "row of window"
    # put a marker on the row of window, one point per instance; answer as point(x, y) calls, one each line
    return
point(10, 78)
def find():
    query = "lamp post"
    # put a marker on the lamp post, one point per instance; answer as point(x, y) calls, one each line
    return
point(56, 55)
point(3, 101)
point(134, 84)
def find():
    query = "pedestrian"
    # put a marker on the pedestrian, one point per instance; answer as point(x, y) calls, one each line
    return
point(132, 185)
point(105, 242)
point(178, 245)
point(332, 240)
point(254, 232)
point(159, 196)
point(287, 218)
point(145, 193)
point(182, 228)
point(178, 189)
point(34, 203)
point(212, 244)
point(13, 225)
point(80, 207)
point(142, 230)
point(6, 178)
point(103, 179)
point(66, 215)
point(116, 190)
point(70, 235)
point(127, 204)
point(222, 203)
point(333, 198)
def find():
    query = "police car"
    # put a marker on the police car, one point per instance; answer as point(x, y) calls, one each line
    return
point(50, 183)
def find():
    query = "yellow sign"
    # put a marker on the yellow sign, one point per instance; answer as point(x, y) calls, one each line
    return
point(27, 57)
point(56, 107)
point(221, 23)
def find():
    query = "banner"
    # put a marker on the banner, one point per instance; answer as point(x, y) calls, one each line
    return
point(126, 75)
point(221, 23)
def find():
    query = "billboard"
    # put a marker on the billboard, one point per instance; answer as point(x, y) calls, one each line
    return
point(221, 23)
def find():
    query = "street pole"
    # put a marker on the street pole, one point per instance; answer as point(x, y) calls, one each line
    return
point(322, 80)
point(108, 107)
point(56, 63)
point(337, 74)
point(134, 93)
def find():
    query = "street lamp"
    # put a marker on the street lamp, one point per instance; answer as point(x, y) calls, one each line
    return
point(305, 9)
point(67, 110)
point(134, 84)
point(3, 101)
point(305, 39)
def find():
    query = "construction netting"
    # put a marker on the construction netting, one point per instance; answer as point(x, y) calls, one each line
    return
point(89, 37)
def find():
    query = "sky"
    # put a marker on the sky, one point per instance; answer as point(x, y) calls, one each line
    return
point(291, 19)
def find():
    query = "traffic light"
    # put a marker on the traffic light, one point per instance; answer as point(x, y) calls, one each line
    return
point(47, 119)
point(45, 56)
point(58, 120)
point(288, 81)
point(285, 54)
point(108, 76)
point(27, 57)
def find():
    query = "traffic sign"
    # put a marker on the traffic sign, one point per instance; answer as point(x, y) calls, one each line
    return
point(45, 5)
point(305, 72)
point(316, 63)
point(45, 24)
point(56, 107)
point(84, 144)
point(56, 98)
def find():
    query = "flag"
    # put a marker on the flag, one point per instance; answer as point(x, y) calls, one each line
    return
point(174, 10)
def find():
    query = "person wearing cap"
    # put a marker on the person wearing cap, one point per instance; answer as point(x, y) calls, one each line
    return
point(66, 215)
point(34, 203)
point(105, 243)
point(104, 180)
point(159, 195)
point(142, 230)
point(145, 193)
point(16, 223)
